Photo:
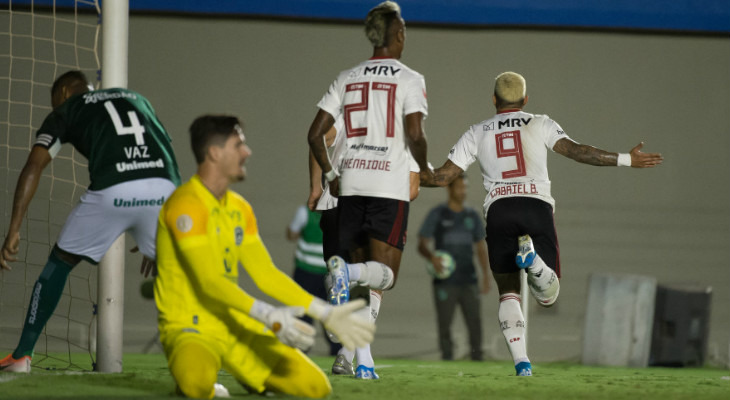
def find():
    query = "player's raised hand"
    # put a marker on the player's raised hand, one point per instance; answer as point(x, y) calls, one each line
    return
point(10, 249)
point(640, 159)
point(291, 330)
point(353, 330)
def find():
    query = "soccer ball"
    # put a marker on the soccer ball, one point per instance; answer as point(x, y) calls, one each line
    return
point(447, 261)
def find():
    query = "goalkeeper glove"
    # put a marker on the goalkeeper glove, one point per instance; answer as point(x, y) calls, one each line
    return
point(352, 330)
point(283, 321)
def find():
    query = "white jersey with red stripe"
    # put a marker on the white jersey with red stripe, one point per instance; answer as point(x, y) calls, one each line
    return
point(511, 148)
point(373, 98)
point(335, 153)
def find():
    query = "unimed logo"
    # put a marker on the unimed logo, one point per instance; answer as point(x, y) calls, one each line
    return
point(134, 202)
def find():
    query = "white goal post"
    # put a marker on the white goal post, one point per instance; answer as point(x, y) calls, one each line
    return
point(110, 323)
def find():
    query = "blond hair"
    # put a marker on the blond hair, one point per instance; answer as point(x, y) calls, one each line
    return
point(378, 22)
point(510, 87)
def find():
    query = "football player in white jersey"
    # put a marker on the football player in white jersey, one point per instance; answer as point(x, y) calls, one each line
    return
point(322, 200)
point(383, 104)
point(511, 149)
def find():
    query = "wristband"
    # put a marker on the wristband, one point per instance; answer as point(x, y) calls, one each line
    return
point(624, 160)
point(331, 175)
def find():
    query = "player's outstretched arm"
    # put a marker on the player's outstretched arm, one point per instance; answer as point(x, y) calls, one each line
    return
point(280, 320)
point(28, 180)
point(640, 159)
point(285, 324)
point(353, 330)
point(441, 176)
point(594, 156)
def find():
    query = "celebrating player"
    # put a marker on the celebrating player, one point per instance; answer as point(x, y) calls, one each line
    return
point(323, 201)
point(511, 148)
point(383, 104)
point(132, 170)
point(205, 232)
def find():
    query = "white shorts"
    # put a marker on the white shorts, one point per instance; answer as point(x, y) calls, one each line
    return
point(102, 215)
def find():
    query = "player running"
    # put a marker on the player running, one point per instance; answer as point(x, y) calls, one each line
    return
point(132, 170)
point(322, 200)
point(511, 149)
point(205, 233)
point(383, 104)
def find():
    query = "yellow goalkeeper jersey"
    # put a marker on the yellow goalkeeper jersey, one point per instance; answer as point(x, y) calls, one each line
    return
point(201, 241)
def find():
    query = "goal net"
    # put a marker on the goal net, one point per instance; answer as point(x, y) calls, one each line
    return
point(40, 40)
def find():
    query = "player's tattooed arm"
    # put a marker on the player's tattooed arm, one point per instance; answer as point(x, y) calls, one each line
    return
point(442, 176)
point(593, 156)
point(585, 154)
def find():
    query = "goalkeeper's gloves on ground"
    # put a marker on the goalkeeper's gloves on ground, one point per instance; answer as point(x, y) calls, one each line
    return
point(353, 330)
point(283, 321)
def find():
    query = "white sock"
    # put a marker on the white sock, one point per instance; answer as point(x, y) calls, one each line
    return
point(354, 271)
point(364, 357)
point(375, 299)
point(363, 353)
point(543, 282)
point(372, 274)
point(349, 354)
point(513, 326)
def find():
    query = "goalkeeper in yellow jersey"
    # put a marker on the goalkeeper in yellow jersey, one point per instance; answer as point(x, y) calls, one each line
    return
point(204, 233)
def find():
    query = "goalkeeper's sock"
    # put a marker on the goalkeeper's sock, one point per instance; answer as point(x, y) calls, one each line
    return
point(543, 282)
point(513, 326)
point(372, 274)
point(47, 292)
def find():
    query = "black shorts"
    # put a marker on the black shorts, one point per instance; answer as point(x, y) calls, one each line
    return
point(512, 217)
point(330, 238)
point(362, 218)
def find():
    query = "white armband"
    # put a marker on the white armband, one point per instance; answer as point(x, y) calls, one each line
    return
point(331, 175)
point(624, 160)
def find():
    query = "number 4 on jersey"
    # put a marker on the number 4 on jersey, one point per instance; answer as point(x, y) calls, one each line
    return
point(134, 128)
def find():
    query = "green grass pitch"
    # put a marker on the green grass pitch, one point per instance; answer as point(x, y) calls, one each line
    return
point(146, 377)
